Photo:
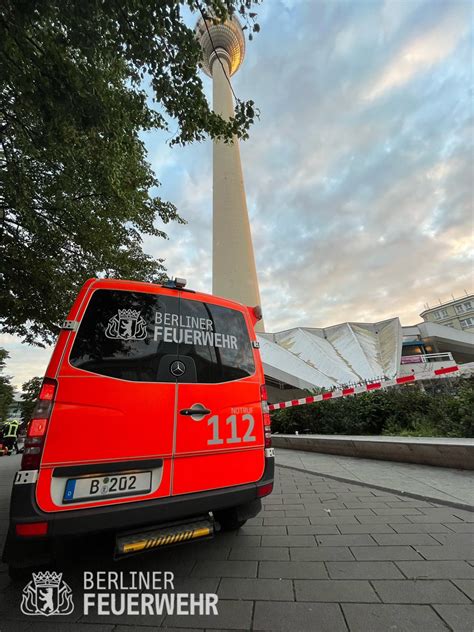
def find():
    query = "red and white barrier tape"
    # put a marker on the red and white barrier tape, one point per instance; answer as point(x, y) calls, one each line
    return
point(363, 388)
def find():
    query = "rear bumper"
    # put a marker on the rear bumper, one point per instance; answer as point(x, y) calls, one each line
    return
point(114, 518)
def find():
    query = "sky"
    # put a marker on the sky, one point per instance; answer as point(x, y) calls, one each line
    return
point(359, 172)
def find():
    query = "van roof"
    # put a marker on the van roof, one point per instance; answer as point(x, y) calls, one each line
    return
point(141, 286)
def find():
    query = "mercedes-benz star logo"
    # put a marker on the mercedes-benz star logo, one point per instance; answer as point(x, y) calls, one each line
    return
point(177, 368)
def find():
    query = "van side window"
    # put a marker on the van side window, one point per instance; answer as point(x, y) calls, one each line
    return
point(135, 336)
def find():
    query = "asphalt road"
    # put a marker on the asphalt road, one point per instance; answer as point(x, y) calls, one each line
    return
point(323, 556)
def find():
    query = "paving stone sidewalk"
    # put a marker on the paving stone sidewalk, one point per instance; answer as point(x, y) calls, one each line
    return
point(440, 484)
point(323, 556)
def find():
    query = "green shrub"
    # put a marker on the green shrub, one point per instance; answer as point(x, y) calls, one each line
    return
point(403, 411)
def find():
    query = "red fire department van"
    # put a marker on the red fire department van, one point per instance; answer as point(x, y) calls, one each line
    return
point(152, 422)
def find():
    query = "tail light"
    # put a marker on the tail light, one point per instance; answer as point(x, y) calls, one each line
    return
point(32, 528)
point(264, 490)
point(266, 417)
point(38, 425)
point(268, 436)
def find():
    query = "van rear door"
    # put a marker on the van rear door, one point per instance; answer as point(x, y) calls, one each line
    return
point(115, 405)
point(224, 445)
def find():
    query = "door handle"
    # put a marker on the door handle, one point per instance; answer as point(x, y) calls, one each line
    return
point(194, 411)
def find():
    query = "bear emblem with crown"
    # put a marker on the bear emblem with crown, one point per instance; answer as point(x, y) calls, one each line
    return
point(47, 594)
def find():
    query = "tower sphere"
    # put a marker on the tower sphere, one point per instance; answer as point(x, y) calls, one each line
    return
point(226, 38)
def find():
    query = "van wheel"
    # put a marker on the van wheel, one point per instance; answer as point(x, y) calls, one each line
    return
point(229, 520)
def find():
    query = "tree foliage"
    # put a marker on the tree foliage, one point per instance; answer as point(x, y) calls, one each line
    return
point(29, 394)
point(6, 389)
point(76, 190)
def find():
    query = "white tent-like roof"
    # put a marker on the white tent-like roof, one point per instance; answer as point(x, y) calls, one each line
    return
point(312, 358)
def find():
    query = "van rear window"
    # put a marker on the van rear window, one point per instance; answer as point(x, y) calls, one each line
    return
point(136, 336)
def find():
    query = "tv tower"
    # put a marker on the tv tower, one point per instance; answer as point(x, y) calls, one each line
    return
point(234, 274)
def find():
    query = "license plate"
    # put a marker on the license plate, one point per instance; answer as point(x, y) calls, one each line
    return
point(110, 486)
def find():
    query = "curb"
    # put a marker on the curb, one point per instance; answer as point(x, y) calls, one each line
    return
point(381, 488)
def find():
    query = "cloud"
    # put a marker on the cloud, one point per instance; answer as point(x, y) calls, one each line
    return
point(358, 203)
point(422, 52)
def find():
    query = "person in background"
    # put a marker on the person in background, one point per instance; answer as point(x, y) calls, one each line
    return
point(9, 432)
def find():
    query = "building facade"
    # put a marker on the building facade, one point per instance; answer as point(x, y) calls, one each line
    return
point(458, 313)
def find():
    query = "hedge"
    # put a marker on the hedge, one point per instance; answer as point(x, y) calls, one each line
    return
point(401, 411)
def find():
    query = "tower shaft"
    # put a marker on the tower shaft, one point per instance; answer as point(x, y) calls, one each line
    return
point(234, 274)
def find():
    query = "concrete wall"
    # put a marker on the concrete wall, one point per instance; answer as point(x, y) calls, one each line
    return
point(455, 453)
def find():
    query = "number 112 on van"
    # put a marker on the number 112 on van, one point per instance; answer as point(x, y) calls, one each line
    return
point(235, 428)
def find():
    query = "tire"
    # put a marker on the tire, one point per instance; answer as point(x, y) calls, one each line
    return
point(228, 519)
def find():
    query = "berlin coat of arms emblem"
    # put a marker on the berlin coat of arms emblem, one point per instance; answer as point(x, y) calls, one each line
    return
point(127, 324)
point(46, 594)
